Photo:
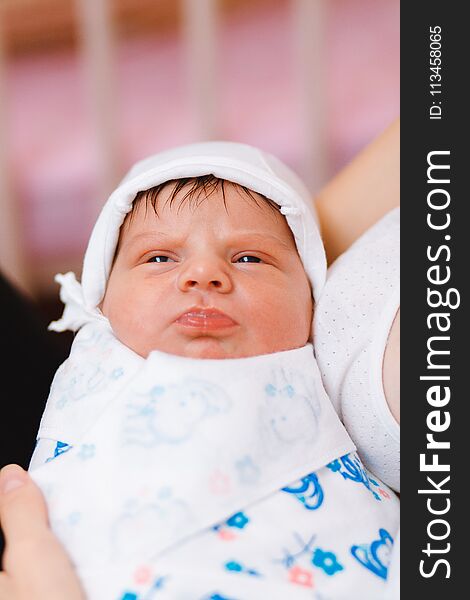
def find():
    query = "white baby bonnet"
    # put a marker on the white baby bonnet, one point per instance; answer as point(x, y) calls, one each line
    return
point(239, 163)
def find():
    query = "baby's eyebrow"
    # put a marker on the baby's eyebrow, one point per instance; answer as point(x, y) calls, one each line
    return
point(145, 235)
point(237, 238)
point(253, 235)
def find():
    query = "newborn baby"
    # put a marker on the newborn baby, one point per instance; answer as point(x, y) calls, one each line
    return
point(175, 477)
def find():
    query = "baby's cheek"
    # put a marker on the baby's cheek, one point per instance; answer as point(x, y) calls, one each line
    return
point(128, 329)
point(282, 328)
point(301, 322)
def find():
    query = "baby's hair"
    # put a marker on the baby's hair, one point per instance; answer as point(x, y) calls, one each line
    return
point(199, 189)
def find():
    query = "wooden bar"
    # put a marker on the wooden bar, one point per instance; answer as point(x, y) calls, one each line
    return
point(97, 43)
point(12, 263)
point(200, 31)
point(309, 30)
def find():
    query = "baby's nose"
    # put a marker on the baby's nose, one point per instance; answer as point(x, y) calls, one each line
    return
point(205, 275)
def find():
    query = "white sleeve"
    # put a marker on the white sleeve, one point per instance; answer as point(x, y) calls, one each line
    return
point(352, 322)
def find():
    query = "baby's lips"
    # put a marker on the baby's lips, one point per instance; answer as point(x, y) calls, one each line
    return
point(207, 319)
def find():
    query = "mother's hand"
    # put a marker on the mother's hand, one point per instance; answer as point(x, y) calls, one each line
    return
point(35, 564)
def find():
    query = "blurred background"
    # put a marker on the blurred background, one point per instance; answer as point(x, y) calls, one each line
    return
point(87, 87)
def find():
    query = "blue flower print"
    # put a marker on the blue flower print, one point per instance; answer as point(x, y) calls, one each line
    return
point(74, 518)
point(129, 596)
point(118, 372)
point(375, 556)
point(326, 561)
point(308, 491)
point(248, 472)
point(233, 566)
point(87, 451)
point(236, 567)
point(272, 390)
point(238, 520)
point(217, 596)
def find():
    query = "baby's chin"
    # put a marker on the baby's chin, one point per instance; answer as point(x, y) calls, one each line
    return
point(205, 347)
point(209, 347)
point(199, 347)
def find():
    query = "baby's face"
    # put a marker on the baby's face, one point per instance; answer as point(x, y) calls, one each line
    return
point(208, 281)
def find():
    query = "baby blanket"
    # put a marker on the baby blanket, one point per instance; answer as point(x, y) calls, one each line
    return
point(153, 455)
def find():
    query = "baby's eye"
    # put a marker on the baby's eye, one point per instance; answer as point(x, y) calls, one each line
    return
point(160, 258)
point(249, 259)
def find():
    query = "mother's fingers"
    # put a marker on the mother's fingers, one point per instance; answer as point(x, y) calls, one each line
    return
point(23, 518)
point(36, 565)
point(6, 588)
point(23, 513)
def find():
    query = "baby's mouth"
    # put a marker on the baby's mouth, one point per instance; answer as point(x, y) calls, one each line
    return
point(205, 319)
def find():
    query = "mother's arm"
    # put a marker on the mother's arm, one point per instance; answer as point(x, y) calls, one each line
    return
point(361, 193)
point(355, 199)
